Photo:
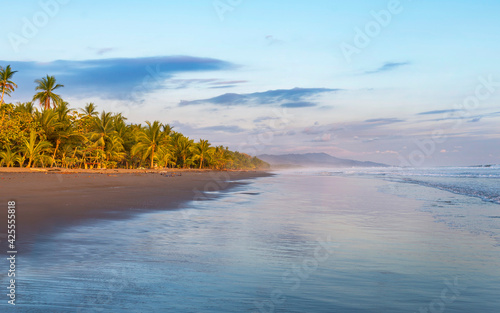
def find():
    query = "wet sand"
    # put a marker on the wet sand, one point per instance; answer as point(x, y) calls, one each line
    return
point(47, 201)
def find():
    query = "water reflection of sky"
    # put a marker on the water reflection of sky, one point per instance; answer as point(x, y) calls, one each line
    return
point(233, 254)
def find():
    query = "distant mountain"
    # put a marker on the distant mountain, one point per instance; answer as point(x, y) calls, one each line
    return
point(313, 160)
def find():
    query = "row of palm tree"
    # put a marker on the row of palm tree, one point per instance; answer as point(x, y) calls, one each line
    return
point(58, 136)
point(45, 88)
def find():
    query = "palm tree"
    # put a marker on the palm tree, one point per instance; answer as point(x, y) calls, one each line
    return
point(221, 157)
point(114, 150)
point(48, 121)
point(5, 81)
point(26, 107)
point(90, 110)
point(201, 151)
point(63, 130)
point(150, 139)
point(165, 156)
point(47, 85)
point(183, 146)
point(34, 150)
point(102, 130)
point(62, 109)
point(6, 108)
point(66, 160)
point(127, 134)
point(167, 129)
point(8, 157)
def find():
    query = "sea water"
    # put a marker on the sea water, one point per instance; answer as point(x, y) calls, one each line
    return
point(365, 240)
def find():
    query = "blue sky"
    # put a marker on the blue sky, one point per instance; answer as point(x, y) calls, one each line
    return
point(400, 82)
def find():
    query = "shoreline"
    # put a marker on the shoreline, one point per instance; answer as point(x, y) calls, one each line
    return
point(60, 170)
point(50, 201)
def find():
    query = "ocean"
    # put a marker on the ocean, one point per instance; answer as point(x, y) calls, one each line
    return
point(309, 240)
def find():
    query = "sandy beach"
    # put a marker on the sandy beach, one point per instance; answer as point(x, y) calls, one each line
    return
point(49, 200)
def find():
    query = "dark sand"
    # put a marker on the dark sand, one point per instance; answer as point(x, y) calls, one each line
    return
point(51, 200)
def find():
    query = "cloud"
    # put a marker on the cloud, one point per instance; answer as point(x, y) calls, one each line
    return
point(286, 133)
point(101, 51)
point(186, 83)
point(271, 40)
point(190, 129)
point(223, 87)
point(120, 78)
point(303, 104)
point(104, 51)
point(437, 112)
point(324, 138)
point(371, 139)
point(203, 83)
point(282, 97)
point(384, 121)
point(465, 115)
point(314, 130)
point(223, 128)
point(265, 118)
point(230, 82)
point(389, 66)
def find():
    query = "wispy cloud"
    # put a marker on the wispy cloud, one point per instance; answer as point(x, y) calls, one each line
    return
point(384, 121)
point(265, 118)
point(111, 78)
point(191, 129)
point(470, 118)
point(230, 82)
point(323, 138)
point(203, 83)
point(389, 66)
point(296, 97)
point(303, 104)
point(104, 51)
point(272, 40)
point(223, 128)
point(437, 112)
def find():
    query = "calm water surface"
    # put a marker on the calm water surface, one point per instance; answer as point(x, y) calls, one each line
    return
point(310, 241)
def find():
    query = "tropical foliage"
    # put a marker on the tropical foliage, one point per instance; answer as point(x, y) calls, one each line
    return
point(6, 85)
point(46, 95)
point(55, 135)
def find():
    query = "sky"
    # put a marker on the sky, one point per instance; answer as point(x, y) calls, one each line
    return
point(413, 83)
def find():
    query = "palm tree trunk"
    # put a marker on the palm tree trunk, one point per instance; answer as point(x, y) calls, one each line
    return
point(201, 162)
point(102, 155)
point(55, 151)
point(152, 156)
point(1, 102)
point(3, 92)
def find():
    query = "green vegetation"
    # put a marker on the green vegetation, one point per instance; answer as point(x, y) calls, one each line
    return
point(57, 136)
